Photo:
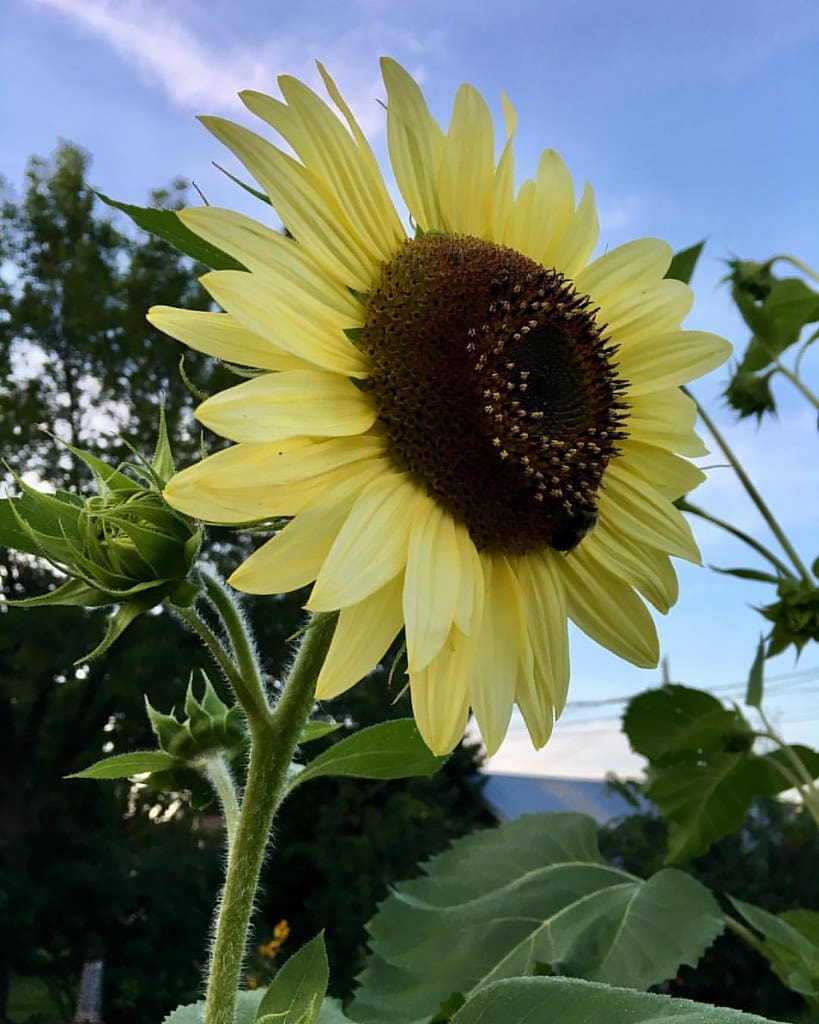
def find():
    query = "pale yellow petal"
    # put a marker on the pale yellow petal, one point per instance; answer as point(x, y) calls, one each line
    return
point(304, 202)
point(497, 652)
point(637, 315)
point(469, 606)
point(290, 320)
point(467, 171)
point(261, 250)
point(432, 583)
point(634, 561)
point(362, 637)
point(544, 605)
point(416, 143)
point(371, 547)
point(248, 482)
point(656, 363)
point(665, 419)
point(440, 694)
point(289, 404)
point(503, 190)
point(629, 267)
point(570, 253)
point(295, 555)
point(552, 209)
point(327, 149)
point(220, 336)
point(636, 508)
point(667, 473)
point(609, 611)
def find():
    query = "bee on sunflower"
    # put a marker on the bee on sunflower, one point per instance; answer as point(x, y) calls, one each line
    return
point(478, 430)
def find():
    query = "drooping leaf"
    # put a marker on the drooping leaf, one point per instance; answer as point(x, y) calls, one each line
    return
point(296, 993)
point(533, 892)
point(390, 750)
point(567, 1001)
point(793, 954)
point(753, 695)
point(123, 766)
point(166, 224)
point(684, 262)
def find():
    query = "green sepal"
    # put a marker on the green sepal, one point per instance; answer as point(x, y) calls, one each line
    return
point(162, 461)
point(243, 184)
point(196, 393)
point(747, 574)
point(115, 626)
point(211, 727)
point(123, 766)
point(684, 262)
point(72, 593)
point(165, 224)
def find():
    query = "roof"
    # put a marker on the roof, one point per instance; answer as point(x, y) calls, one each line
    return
point(509, 796)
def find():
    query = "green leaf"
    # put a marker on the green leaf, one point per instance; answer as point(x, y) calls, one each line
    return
point(165, 224)
point(684, 262)
point(116, 625)
point(317, 730)
point(565, 1001)
point(123, 766)
point(247, 1004)
point(296, 993)
point(390, 750)
point(679, 718)
point(534, 891)
point(753, 695)
point(747, 574)
point(793, 955)
point(72, 593)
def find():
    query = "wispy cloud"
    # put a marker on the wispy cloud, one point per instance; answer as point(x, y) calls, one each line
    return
point(205, 75)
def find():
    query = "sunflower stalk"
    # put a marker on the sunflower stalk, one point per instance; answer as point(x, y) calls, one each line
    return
point(273, 738)
point(752, 492)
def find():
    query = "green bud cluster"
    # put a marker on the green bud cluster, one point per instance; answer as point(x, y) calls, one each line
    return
point(122, 546)
point(795, 615)
point(209, 728)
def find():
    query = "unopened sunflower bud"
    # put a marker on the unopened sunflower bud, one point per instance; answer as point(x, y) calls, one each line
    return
point(210, 727)
point(123, 546)
point(795, 616)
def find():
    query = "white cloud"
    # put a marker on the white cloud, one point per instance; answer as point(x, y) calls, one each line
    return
point(206, 75)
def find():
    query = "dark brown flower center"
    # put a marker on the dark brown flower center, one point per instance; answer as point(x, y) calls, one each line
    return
point(497, 389)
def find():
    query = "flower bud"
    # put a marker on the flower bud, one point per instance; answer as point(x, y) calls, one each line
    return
point(210, 727)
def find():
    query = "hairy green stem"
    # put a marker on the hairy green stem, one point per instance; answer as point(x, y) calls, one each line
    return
point(221, 778)
point(685, 506)
point(249, 685)
point(194, 620)
point(752, 492)
point(273, 742)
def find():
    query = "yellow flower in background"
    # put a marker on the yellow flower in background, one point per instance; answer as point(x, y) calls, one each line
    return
point(476, 430)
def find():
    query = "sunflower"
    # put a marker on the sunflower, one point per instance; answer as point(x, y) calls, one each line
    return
point(476, 430)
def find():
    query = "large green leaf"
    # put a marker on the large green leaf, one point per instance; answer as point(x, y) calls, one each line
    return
point(166, 225)
point(296, 993)
point(678, 718)
point(247, 1004)
point(390, 750)
point(703, 773)
point(565, 1001)
point(531, 895)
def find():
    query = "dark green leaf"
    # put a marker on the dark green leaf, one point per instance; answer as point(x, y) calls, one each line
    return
point(753, 695)
point(679, 718)
point(792, 954)
point(391, 750)
point(535, 890)
point(296, 993)
point(566, 1001)
point(684, 262)
point(123, 766)
point(166, 225)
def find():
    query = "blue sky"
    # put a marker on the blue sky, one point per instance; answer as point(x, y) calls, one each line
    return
point(691, 120)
